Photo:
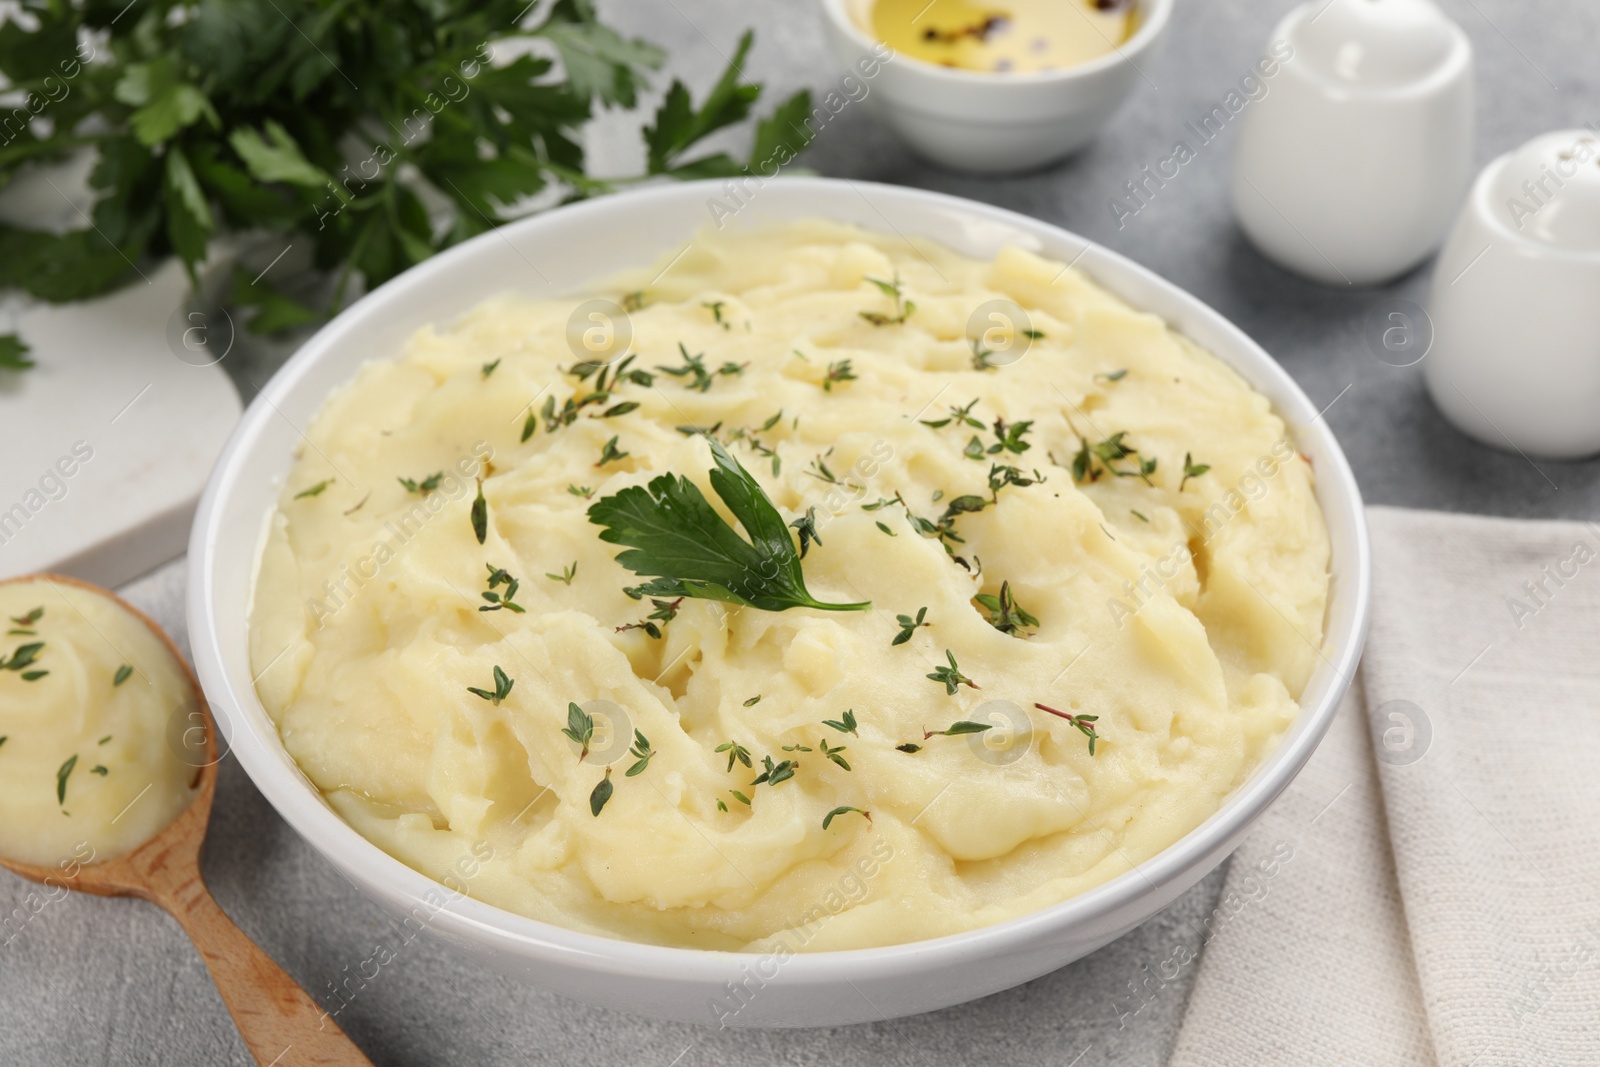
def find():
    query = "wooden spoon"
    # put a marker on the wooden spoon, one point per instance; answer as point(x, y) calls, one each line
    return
point(280, 1023)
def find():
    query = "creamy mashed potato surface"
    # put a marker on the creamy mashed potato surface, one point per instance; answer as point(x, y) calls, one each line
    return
point(1159, 535)
point(93, 712)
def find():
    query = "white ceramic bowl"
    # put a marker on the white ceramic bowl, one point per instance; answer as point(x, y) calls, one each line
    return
point(559, 253)
point(993, 123)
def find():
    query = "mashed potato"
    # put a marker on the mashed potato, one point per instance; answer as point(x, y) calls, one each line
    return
point(1157, 540)
point(94, 708)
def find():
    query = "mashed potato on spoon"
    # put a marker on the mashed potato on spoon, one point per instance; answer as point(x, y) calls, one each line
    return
point(1075, 574)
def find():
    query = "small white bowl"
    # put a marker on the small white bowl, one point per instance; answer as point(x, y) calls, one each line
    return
point(561, 253)
point(993, 123)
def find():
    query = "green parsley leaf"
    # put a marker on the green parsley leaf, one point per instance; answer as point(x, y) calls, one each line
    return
point(14, 352)
point(679, 540)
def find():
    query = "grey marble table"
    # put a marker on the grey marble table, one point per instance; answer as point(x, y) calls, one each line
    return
point(89, 981)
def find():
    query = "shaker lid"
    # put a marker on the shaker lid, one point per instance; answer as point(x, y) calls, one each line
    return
point(1374, 44)
point(1548, 190)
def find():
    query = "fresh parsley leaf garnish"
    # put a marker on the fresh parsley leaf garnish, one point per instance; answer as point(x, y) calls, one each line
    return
point(14, 353)
point(678, 540)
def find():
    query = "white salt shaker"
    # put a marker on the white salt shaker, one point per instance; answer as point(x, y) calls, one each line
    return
point(1349, 170)
point(1515, 302)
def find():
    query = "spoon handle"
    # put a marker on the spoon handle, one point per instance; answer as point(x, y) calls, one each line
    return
point(278, 1020)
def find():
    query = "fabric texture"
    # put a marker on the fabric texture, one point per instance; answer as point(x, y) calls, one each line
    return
point(1442, 900)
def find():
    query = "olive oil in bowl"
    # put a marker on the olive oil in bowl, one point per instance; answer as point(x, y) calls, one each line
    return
point(1010, 37)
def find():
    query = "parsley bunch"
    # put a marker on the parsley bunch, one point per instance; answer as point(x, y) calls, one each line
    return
point(376, 131)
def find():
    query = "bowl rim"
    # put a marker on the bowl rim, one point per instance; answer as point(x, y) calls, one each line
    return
point(1154, 15)
point(387, 878)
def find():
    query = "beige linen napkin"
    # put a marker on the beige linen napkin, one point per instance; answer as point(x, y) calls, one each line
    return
point(1442, 903)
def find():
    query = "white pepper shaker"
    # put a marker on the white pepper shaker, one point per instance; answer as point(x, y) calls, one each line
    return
point(1515, 302)
point(1350, 169)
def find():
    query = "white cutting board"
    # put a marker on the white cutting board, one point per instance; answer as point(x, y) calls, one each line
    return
point(109, 385)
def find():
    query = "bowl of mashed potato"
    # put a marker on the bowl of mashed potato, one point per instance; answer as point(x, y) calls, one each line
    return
point(777, 607)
